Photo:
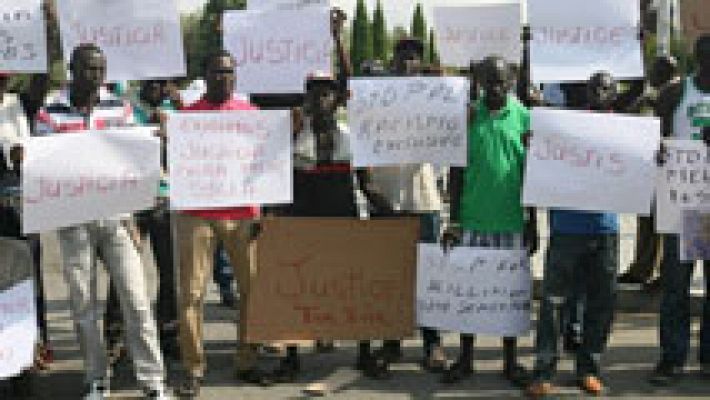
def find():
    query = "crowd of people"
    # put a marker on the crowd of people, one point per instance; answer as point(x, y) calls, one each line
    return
point(581, 266)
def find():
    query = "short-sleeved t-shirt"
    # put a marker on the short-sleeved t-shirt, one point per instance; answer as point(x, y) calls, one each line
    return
point(491, 199)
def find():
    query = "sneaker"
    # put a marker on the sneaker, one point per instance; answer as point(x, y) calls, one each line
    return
point(159, 393)
point(666, 374)
point(592, 385)
point(540, 390)
point(98, 390)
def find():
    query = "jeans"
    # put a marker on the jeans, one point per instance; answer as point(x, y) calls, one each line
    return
point(79, 245)
point(223, 274)
point(593, 261)
point(676, 277)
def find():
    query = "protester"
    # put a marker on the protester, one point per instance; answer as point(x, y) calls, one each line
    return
point(649, 244)
point(198, 232)
point(584, 248)
point(683, 107)
point(486, 209)
point(78, 110)
point(407, 190)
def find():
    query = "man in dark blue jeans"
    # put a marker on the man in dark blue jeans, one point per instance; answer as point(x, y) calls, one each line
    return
point(683, 107)
point(583, 254)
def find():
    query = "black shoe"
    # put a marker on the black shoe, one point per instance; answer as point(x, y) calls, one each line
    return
point(228, 299)
point(627, 278)
point(190, 389)
point(666, 374)
point(653, 285)
point(571, 341)
point(363, 360)
point(255, 377)
point(517, 375)
point(376, 366)
point(392, 350)
point(287, 371)
point(457, 372)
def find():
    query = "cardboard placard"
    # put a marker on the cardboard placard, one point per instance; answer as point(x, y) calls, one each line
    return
point(23, 36)
point(573, 39)
point(271, 58)
point(141, 39)
point(70, 179)
point(694, 19)
point(474, 290)
point(230, 158)
point(333, 279)
point(682, 183)
point(588, 161)
point(417, 120)
point(465, 34)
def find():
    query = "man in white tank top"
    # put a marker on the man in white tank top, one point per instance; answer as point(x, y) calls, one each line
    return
point(684, 107)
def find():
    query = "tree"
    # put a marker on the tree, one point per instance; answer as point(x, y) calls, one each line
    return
point(418, 29)
point(209, 33)
point(361, 43)
point(379, 34)
point(432, 55)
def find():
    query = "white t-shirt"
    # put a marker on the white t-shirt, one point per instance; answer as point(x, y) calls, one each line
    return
point(13, 124)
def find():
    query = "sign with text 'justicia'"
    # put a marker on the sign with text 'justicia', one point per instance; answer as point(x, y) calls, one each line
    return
point(23, 36)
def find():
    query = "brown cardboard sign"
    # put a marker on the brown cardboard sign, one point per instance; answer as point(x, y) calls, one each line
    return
point(334, 279)
point(695, 19)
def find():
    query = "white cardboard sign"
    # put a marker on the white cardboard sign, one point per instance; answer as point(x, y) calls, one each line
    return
point(573, 39)
point(23, 36)
point(276, 50)
point(141, 39)
point(285, 4)
point(70, 179)
point(474, 290)
point(591, 161)
point(682, 183)
point(465, 34)
point(18, 328)
point(408, 121)
point(228, 159)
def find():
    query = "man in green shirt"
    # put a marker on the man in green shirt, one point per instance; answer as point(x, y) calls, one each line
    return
point(486, 208)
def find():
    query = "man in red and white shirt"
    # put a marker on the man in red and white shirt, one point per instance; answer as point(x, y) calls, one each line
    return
point(199, 231)
point(85, 107)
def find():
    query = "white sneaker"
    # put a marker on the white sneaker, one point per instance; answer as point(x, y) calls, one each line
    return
point(159, 393)
point(98, 390)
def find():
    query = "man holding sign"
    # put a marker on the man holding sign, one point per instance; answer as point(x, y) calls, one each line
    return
point(86, 108)
point(486, 195)
point(584, 247)
point(198, 232)
point(684, 107)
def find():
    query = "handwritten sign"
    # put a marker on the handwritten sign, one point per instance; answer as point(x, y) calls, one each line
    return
point(70, 179)
point(285, 4)
point(465, 34)
point(278, 60)
point(694, 19)
point(474, 290)
point(682, 183)
point(695, 236)
point(141, 39)
point(18, 319)
point(23, 36)
point(408, 121)
point(573, 39)
point(591, 161)
point(227, 159)
point(333, 278)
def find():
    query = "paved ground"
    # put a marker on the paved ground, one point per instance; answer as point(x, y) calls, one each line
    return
point(631, 356)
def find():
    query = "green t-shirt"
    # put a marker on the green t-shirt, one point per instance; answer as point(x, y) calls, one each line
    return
point(492, 189)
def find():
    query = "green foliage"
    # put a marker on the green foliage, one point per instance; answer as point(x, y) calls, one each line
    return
point(361, 42)
point(432, 55)
point(379, 34)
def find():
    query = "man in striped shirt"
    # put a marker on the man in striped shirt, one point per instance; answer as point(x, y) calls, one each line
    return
point(85, 107)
